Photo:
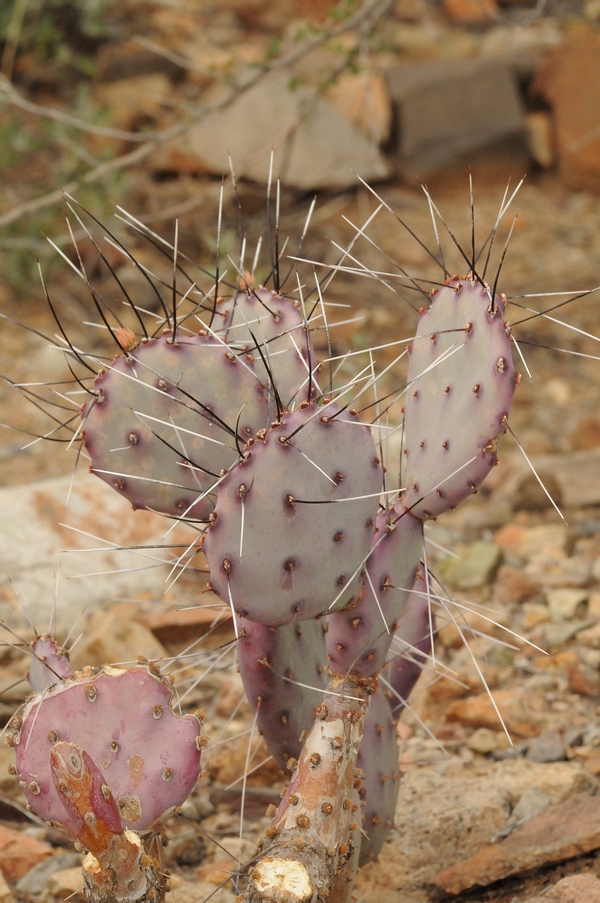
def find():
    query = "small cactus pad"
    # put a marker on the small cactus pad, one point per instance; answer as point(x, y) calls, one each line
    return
point(412, 644)
point(270, 660)
point(148, 756)
point(116, 869)
point(85, 795)
point(166, 421)
point(461, 385)
point(49, 663)
point(294, 522)
point(378, 760)
point(358, 640)
point(272, 330)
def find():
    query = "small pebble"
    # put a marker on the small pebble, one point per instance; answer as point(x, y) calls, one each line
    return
point(36, 879)
point(483, 741)
point(566, 603)
point(548, 747)
point(560, 633)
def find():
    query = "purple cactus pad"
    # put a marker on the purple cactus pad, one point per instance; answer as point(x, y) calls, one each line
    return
point(294, 522)
point(148, 756)
point(49, 663)
point(358, 641)
point(461, 385)
point(378, 760)
point(163, 424)
point(272, 330)
point(270, 660)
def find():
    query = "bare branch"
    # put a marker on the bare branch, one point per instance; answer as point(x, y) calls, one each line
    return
point(9, 94)
point(364, 19)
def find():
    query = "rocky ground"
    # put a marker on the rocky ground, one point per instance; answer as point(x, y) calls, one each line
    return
point(500, 751)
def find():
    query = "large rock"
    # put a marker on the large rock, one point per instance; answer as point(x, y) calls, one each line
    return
point(446, 109)
point(442, 818)
point(561, 832)
point(315, 145)
point(35, 529)
point(569, 79)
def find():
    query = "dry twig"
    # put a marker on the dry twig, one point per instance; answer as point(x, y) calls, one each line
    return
point(364, 19)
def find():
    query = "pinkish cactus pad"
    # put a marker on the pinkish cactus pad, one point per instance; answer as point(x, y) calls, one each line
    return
point(49, 663)
point(149, 756)
point(272, 330)
point(358, 640)
point(294, 521)
point(168, 417)
point(283, 671)
point(461, 386)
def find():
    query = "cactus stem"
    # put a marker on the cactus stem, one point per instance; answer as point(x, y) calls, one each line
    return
point(116, 869)
point(304, 856)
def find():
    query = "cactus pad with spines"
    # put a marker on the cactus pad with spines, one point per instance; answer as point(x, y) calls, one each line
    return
point(283, 673)
point(461, 385)
point(167, 419)
point(294, 521)
point(49, 663)
point(378, 762)
point(412, 644)
point(358, 641)
point(148, 756)
point(272, 330)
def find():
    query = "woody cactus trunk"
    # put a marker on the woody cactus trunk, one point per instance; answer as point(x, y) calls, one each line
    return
point(221, 417)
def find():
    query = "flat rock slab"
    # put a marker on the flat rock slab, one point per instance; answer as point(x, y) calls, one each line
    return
point(583, 888)
point(315, 145)
point(442, 817)
point(19, 853)
point(573, 70)
point(561, 832)
point(36, 528)
point(445, 109)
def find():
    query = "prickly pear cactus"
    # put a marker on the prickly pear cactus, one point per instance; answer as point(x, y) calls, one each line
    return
point(320, 564)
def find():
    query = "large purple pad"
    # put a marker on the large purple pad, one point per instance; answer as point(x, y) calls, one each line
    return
point(294, 521)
